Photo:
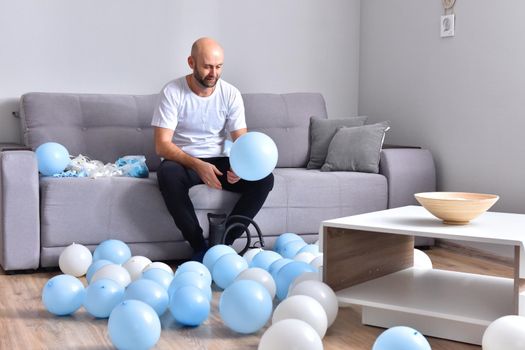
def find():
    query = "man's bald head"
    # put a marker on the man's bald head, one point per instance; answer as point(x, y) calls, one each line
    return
point(206, 60)
point(205, 46)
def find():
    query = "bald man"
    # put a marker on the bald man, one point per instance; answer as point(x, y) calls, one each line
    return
point(192, 121)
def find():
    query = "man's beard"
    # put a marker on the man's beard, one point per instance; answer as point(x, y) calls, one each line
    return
point(205, 82)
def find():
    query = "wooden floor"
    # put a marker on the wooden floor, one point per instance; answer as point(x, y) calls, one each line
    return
point(25, 324)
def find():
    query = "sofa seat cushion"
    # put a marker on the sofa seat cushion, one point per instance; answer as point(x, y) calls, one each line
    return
point(302, 198)
point(88, 211)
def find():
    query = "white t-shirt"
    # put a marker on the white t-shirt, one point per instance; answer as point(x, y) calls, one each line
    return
point(201, 124)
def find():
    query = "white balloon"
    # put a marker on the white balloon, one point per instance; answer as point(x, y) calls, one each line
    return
point(75, 260)
point(259, 275)
point(507, 332)
point(304, 308)
point(290, 334)
point(322, 293)
point(305, 276)
point(422, 260)
point(304, 257)
point(135, 265)
point(113, 272)
point(250, 253)
point(158, 265)
point(317, 262)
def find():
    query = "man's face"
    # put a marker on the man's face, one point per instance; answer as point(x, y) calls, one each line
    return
point(207, 69)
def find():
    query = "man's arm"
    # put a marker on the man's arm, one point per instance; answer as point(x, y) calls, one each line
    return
point(238, 133)
point(166, 149)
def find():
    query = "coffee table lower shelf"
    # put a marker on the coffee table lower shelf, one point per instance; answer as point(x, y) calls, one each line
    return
point(444, 304)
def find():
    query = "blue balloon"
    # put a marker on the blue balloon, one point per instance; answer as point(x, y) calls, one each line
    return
point(287, 274)
point(189, 278)
point(149, 292)
point(253, 156)
point(245, 306)
point(309, 248)
point(102, 296)
point(113, 250)
point(63, 295)
point(52, 158)
point(264, 259)
point(195, 266)
point(214, 253)
point(160, 276)
point(227, 268)
point(134, 324)
point(401, 338)
point(276, 266)
point(283, 239)
point(291, 249)
point(94, 267)
point(189, 306)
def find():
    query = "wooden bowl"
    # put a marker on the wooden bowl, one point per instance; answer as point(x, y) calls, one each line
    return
point(456, 208)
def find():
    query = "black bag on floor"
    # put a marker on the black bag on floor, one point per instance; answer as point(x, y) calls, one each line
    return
point(221, 225)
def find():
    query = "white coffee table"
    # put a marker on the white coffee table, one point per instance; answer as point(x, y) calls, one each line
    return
point(368, 261)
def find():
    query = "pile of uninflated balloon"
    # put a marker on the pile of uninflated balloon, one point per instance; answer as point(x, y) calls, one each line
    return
point(133, 292)
point(54, 160)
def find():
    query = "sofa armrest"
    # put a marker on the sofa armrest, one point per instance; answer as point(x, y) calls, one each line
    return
point(408, 171)
point(19, 210)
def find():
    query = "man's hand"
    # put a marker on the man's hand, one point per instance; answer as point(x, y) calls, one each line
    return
point(232, 177)
point(208, 174)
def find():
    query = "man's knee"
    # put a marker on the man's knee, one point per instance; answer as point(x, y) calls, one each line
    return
point(170, 175)
point(266, 184)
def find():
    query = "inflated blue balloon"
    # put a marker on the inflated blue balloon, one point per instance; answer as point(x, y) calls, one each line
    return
point(291, 249)
point(253, 156)
point(283, 239)
point(102, 296)
point(264, 259)
point(245, 306)
point(94, 267)
point(52, 158)
point(149, 292)
point(63, 295)
point(287, 274)
point(160, 276)
point(113, 250)
point(134, 324)
point(309, 248)
point(190, 278)
point(214, 253)
point(401, 338)
point(227, 268)
point(189, 306)
point(195, 266)
point(276, 266)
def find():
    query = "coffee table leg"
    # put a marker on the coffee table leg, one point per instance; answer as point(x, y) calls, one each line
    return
point(354, 256)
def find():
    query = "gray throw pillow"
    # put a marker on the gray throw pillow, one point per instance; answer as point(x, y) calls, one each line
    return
point(321, 133)
point(356, 149)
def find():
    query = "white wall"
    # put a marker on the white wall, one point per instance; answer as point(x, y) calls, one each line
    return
point(134, 47)
point(461, 97)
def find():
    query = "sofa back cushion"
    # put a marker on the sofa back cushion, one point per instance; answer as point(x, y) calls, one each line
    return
point(286, 119)
point(105, 127)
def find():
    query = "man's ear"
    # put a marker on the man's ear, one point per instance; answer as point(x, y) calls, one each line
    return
point(191, 62)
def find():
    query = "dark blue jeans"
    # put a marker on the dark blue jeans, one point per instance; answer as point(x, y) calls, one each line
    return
point(175, 182)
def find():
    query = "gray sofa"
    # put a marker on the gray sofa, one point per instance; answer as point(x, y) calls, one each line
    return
point(39, 216)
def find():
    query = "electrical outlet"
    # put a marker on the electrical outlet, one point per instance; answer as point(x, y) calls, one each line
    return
point(447, 26)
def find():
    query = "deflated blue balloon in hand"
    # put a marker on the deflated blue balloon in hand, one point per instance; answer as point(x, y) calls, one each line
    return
point(253, 156)
point(52, 158)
